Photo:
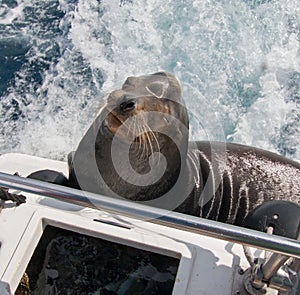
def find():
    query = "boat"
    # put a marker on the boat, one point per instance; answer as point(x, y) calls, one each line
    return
point(62, 238)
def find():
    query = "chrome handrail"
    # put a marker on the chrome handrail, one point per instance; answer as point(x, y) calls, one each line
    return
point(176, 220)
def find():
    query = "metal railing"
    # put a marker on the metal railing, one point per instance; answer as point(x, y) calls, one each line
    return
point(180, 221)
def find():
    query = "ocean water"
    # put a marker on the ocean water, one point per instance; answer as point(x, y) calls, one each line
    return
point(238, 62)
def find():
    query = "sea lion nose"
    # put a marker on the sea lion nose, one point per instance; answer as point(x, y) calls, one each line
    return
point(128, 105)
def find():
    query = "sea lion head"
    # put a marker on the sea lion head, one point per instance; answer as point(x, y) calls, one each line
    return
point(137, 146)
point(145, 107)
point(148, 124)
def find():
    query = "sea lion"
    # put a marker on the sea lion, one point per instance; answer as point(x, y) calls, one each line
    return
point(137, 148)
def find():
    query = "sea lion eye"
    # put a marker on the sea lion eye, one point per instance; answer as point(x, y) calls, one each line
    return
point(127, 106)
point(157, 89)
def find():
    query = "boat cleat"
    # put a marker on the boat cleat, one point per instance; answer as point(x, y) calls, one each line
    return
point(252, 281)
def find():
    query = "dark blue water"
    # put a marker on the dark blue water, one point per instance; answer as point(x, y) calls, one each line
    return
point(238, 62)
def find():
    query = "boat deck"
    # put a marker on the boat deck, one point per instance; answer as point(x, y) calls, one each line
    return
point(207, 265)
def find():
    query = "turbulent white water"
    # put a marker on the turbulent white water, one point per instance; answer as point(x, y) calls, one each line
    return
point(238, 62)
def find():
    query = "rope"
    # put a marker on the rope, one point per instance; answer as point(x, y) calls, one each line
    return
point(6, 196)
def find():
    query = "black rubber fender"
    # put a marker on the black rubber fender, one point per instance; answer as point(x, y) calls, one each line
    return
point(50, 176)
point(282, 216)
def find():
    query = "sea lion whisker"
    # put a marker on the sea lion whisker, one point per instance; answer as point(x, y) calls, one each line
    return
point(140, 136)
point(142, 151)
point(154, 137)
point(136, 134)
point(145, 141)
point(135, 130)
point(145, 135)
point(133, 139)
point(157, 144)
point(150, 142)
point(134, 127)
point(150, 133)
